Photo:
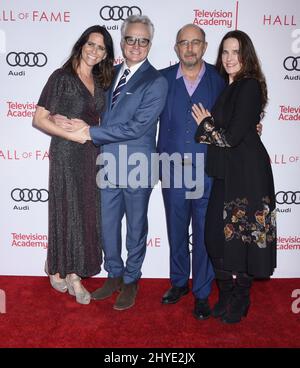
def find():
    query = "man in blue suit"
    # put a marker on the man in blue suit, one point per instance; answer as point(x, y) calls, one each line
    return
point(190, 81)
point(134, 103)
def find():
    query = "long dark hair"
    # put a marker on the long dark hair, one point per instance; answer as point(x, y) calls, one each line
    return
point(104, 70)
point(247, 56)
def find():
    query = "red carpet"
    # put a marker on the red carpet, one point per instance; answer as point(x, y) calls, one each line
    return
point(38, 316)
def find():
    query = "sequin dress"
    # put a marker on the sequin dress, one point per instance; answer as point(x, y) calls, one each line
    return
point(74, 242)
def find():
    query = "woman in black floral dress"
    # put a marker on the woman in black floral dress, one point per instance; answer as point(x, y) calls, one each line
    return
point(240, 221)
point(76, 91)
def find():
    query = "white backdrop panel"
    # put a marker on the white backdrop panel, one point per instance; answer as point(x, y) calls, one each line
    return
point(49, 28)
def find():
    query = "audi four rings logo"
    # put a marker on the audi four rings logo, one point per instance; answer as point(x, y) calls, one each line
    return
point(288, 197)
point(292, 63)
point(26, 59)
point(118, 12)
point(29, 195)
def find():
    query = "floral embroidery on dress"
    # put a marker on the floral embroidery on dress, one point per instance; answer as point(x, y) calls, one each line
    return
point(212, 135)
point(261, 231)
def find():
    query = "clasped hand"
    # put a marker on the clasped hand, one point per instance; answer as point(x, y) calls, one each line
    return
point(78, 129)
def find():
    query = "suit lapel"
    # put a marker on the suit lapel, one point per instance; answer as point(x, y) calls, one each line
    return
point(110, 92)
point(137, 77)
point(172, 80)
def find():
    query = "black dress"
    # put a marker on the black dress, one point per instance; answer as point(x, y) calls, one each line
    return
point(241, 226)
point(74, 242)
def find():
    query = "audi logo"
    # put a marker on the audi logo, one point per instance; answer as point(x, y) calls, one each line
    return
point(26, 59)
point(118, 12)
point(292, 63)
point(288, 197)
point(29, 195)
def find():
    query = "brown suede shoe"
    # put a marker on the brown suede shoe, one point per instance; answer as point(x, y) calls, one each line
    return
point(126, 298)
point(110, 285)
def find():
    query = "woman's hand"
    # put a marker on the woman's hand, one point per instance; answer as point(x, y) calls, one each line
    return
point(199, 113)
point(69, 125)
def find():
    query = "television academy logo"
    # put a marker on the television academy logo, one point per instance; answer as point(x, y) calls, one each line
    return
point(20, 110)
point(216, 18)
point(29, 59)
point(288, 243)
point(117, 13)
point(31, 240)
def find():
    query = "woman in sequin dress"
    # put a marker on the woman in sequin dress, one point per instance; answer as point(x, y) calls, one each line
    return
point(76, 91)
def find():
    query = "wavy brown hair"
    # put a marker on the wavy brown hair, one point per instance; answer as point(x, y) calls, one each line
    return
point(104, 70)
point(250, 63)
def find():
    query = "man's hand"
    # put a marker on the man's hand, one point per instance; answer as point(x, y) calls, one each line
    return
point(80, 135)
point(69, 125)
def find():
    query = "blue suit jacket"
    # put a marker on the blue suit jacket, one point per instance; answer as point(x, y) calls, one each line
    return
point(178, 127)
point(131, 124)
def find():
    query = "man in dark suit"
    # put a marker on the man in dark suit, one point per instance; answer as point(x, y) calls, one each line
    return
point(190, 81)
point(128, 127)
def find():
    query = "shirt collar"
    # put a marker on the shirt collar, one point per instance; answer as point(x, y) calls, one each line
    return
point(133, 68)
point(201, 72)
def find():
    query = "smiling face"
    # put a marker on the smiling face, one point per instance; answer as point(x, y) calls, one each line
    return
point(93, 51)
point(135, 53)
point(231, 58)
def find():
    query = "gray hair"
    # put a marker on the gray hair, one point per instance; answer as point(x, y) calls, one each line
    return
point(137, 19)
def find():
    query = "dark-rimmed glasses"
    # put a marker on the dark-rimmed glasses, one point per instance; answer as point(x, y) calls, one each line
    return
point(131, 41)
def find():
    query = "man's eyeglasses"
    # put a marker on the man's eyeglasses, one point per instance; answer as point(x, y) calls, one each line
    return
point(185, 43)
point(142, 42)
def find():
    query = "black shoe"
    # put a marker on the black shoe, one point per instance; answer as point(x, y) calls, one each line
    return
point(202, 309)
point(110, 285)
point(240, 301)
point(126, 298)
point(226, 288)
point(174, 294)
point(237, 310)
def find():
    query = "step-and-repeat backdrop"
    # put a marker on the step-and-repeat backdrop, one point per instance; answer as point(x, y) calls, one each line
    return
point(36, 38)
